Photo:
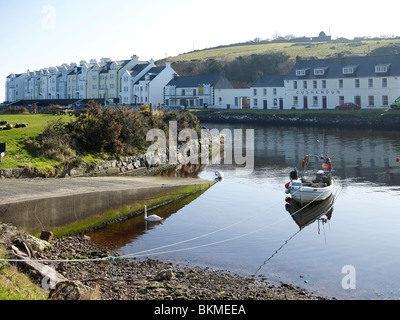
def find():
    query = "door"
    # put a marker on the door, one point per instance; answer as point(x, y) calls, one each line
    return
point(305, 102)
point(324, 102)
point(265, 104)
point(281, 103)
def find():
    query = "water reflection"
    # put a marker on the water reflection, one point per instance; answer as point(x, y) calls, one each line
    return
point(118, 235)
point(308, 214)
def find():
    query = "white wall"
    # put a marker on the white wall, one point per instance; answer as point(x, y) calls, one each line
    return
point(230, 97)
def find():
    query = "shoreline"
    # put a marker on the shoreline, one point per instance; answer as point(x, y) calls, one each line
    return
point(155, 280)
point(384, 119)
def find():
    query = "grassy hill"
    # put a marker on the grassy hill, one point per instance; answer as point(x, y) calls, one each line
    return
point(244, 63)
point(319, 50)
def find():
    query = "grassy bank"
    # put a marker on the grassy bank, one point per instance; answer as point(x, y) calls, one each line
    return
point(20, 153)
point(15, 285)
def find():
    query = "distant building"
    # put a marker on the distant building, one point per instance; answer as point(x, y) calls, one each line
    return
point(194, 91)
point(368, 81)
point(268, 93)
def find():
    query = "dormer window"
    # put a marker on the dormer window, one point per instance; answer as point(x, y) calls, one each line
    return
point(349, 69)
point(382, 68)
point(301, 72)
point(319, 71)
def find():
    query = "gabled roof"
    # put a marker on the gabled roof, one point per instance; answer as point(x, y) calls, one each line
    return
point(269, 81)
point(354, 67)
point(198, 81)
point(153, 72)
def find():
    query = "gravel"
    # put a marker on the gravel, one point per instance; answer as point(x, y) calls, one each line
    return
point(149, 279)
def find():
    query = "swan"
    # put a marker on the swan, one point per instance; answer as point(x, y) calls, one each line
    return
point(152, 218)
point(220, 175)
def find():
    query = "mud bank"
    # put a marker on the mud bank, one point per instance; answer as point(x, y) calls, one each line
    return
point(155, 280)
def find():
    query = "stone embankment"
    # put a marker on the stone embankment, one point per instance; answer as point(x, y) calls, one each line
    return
point(370, 119)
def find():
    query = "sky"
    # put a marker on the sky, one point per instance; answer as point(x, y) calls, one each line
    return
point(37, 34)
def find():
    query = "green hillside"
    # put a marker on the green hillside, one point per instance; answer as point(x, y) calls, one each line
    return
point(319, 50)
point(244, 63)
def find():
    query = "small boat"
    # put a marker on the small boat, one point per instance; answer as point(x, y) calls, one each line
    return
point(304, 190)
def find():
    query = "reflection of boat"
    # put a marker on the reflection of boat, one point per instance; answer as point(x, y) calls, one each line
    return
point(306, 215)
point(306, 191)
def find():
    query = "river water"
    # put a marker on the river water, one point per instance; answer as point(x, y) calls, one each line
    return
point(244, 225)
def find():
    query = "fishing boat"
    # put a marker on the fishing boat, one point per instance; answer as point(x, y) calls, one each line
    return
point(305, 190)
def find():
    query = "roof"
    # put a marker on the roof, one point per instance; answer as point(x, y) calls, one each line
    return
point(269, 81)
point(348, 67)
point(153, 72)
point(196, 81)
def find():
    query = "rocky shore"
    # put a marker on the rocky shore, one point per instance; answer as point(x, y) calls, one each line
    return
point(155, 280)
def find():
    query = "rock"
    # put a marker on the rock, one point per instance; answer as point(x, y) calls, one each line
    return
point(37, 244)
point(165, 275)
point(46, 236)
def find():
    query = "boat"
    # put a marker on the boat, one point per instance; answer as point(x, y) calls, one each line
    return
point(304, 190)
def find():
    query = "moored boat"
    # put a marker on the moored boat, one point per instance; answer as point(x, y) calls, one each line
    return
point(304, 190)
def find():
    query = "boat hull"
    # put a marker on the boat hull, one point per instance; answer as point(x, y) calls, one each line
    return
point(305, 195)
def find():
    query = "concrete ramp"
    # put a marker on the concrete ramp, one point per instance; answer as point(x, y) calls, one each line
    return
point(72, 205)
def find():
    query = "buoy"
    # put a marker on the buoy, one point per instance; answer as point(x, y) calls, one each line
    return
point(287, 185)
point(398, 160)
point(287, 191)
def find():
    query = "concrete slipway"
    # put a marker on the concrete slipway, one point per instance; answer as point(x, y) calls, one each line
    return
point(76, 204)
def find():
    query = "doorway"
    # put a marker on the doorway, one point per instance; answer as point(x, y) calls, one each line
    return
point(305, 102)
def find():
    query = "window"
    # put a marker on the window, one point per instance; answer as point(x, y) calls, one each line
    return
point(265, 92)
point(323, 84)
point(275, 92)
point(295, 100)
point(371, 100)
point(319, 72)
point(370, 83)
point(315, 100)
point(275, 102)
point(348, 69)
point(384, 83)
point(382, 68)
point(385, 100)
point(304, 84)
point(294, 84)
point(315, 85)
point(255, 92)
point(301, 72)
point(255, 102)
point(341, 100)
point(357, 83)
point(340, 83)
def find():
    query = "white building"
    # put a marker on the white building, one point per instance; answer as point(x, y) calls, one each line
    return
point(371, 82)
point(232, 98)
point(268, 93)
point(149, 89)
point(194, 91)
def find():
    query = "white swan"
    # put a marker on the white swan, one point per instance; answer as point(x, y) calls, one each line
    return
point(152, 218)
point(220, 175)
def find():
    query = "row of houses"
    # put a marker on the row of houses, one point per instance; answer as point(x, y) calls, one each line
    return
point(372, 82)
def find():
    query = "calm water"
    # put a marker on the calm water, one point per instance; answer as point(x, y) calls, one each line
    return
point(244, 225)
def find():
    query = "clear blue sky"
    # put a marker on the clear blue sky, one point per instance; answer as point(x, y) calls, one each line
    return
point(37, 34)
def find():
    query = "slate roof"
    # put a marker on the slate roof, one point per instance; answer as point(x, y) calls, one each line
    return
point(333, 68)
point(269, 81)
point(195, 81)
point(153, 72)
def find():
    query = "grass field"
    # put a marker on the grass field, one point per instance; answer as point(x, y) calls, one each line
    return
point(18, 153)
point(318, 50)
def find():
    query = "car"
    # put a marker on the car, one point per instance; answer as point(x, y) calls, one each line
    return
point(349, 106)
